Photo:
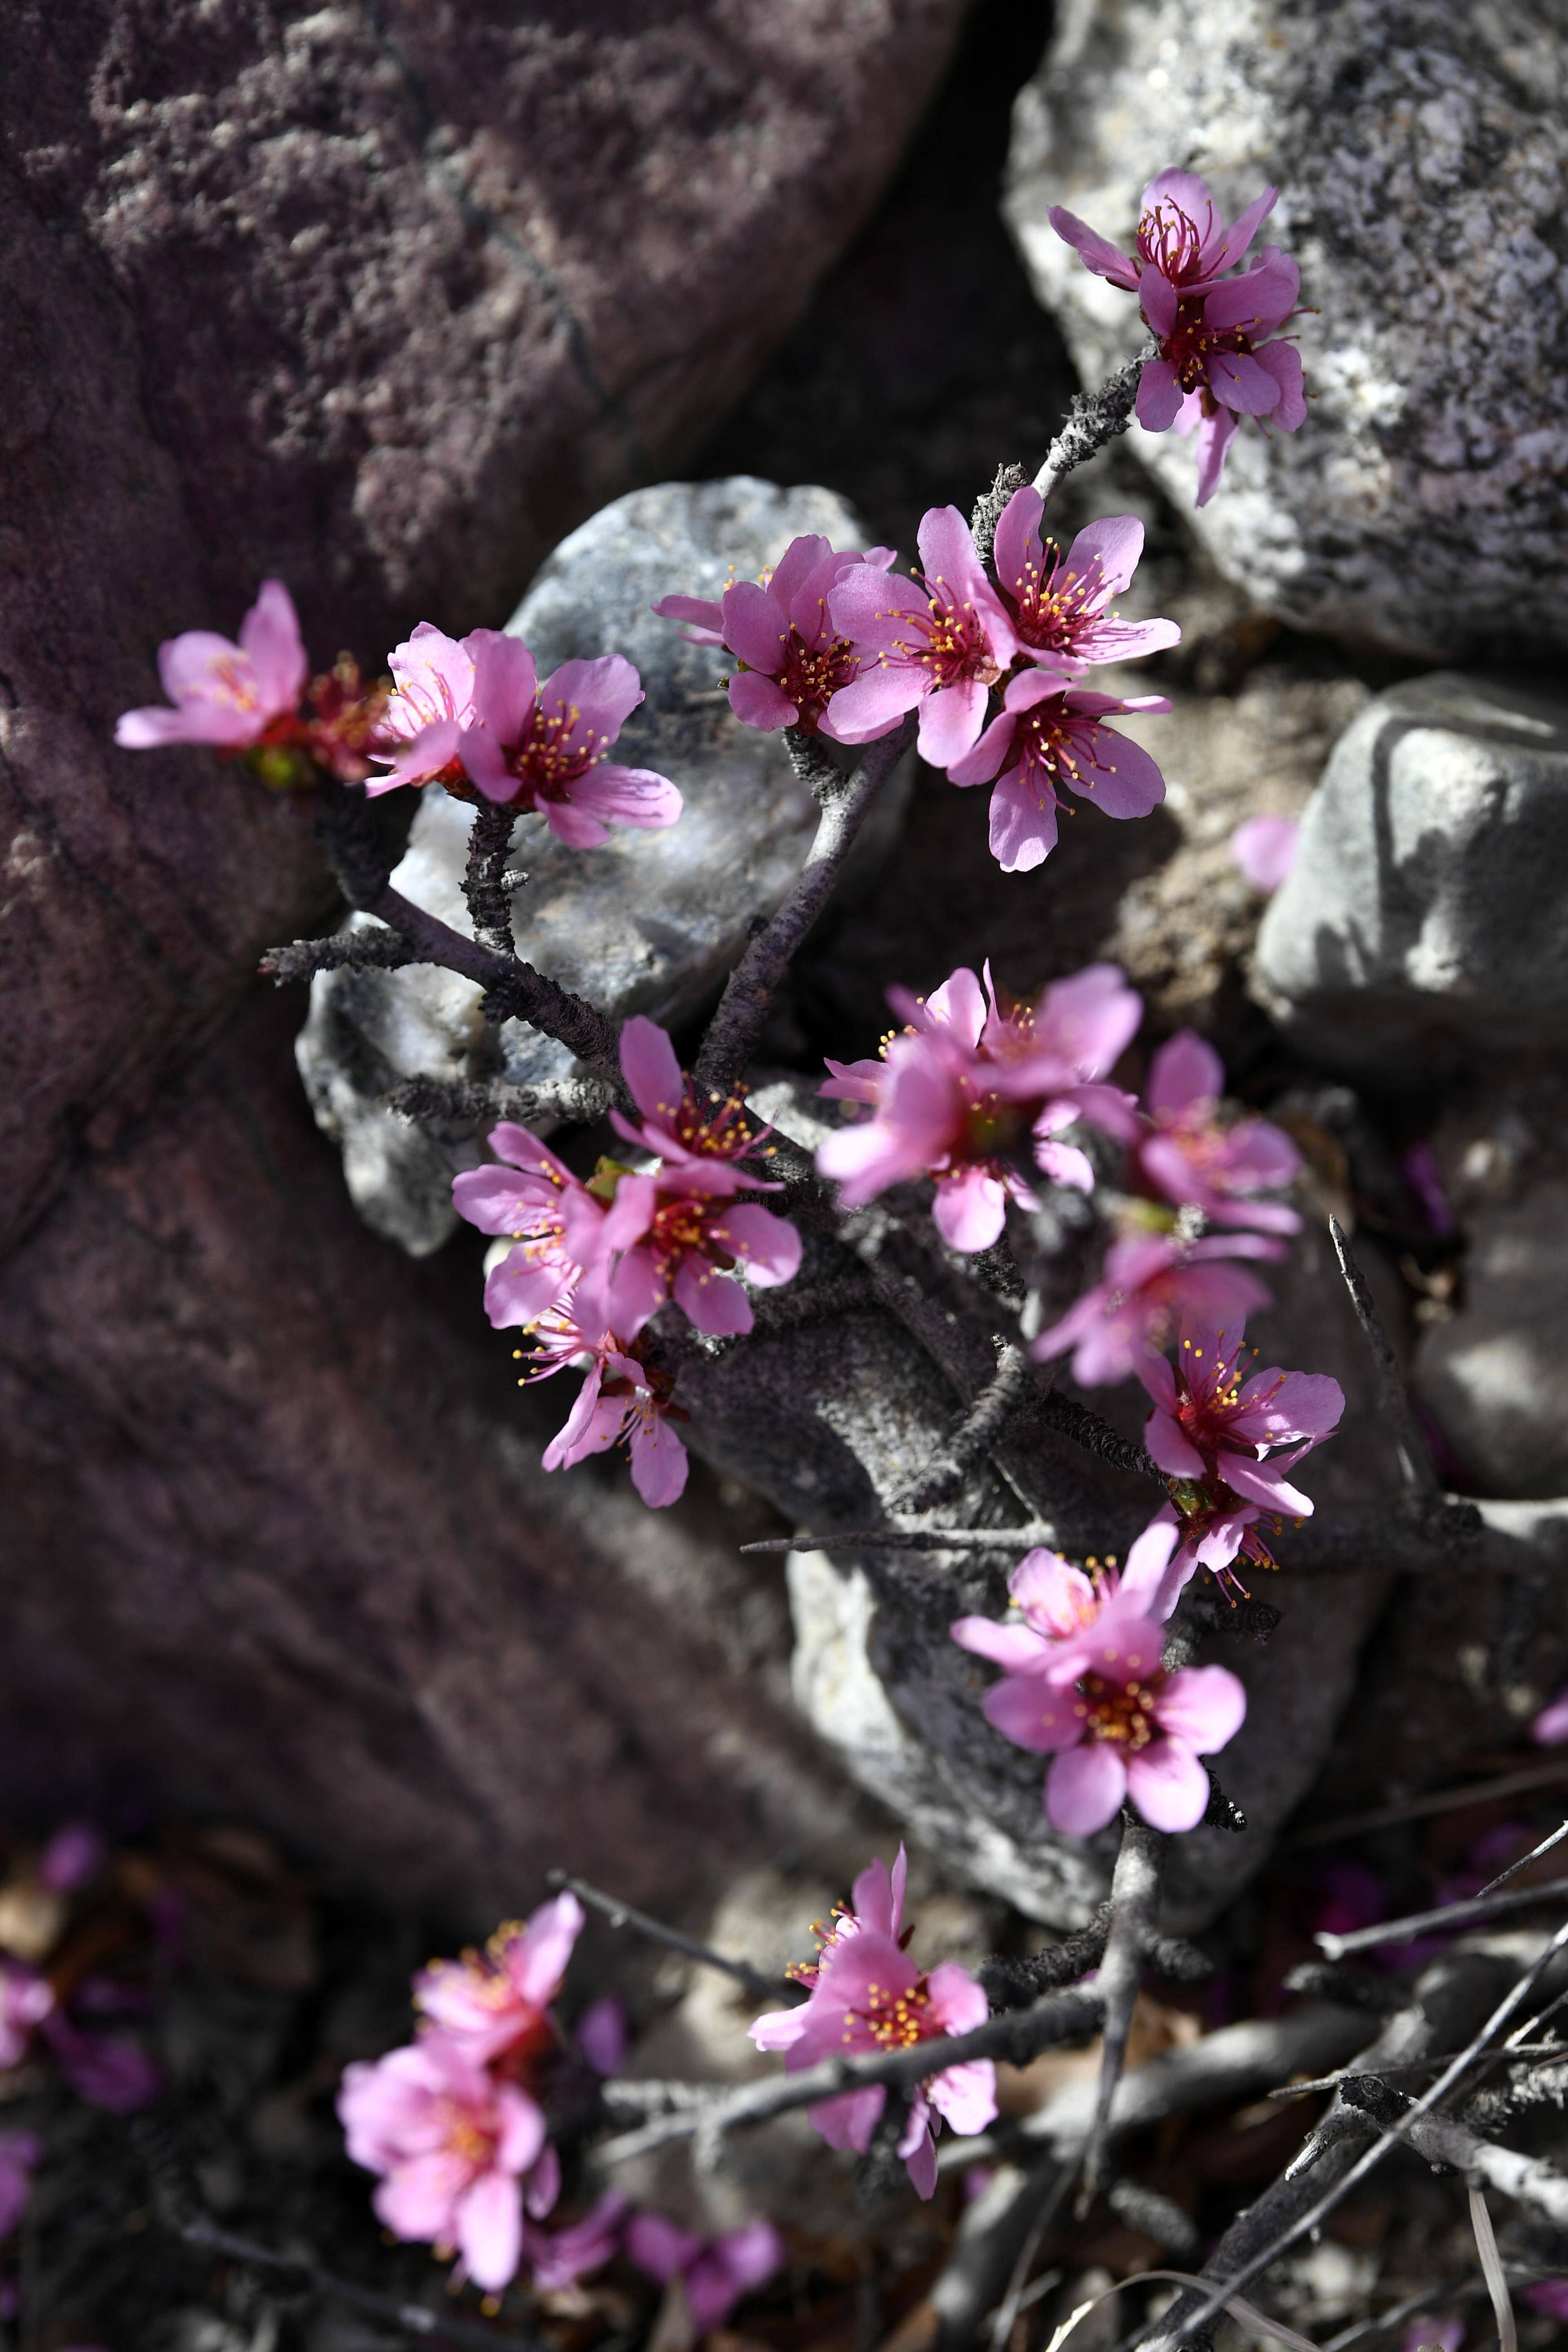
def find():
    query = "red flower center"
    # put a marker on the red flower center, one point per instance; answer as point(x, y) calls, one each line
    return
point(1120, 1713)
point(1171, 241)
point(810, 679)
point(895, 2020)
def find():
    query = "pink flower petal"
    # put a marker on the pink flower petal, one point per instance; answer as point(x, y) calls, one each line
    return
point(1168, 1785)
point(1084, 1789)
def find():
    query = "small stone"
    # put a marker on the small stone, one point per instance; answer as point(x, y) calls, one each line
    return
point(1419, 151)
point(1424, 907)
point(649, 923)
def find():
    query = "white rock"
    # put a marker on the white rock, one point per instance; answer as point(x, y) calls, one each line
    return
point(1419, 150)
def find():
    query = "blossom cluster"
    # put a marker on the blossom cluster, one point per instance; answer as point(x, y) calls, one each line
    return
point(454, 2125)
point(1219, 356)
point(866, 1994)
point(591, 1263)
point(838, 645)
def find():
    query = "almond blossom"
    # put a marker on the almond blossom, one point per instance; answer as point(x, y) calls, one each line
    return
point(1216, 362)
point(714, 2273)
point(559, 2258)
point(495, 2004)
point(1058, 603)
point(223, 693)
point(971, 1089)
point(867, 1994)
point(1194, 1157)
point(876, 1905)
point(544, 748)
point(1181, 232)
point(453, 2146)
point(938, 641)
point(431, 703)
point(525, 1198)
point(1062, 1609)
point(1049, 733)
point(1124, 1728)
point(793, 659)
point(1227, 1437)
point(1150, 1282)
point(678, 1233)
point(674, 1125)
point(621, 1402)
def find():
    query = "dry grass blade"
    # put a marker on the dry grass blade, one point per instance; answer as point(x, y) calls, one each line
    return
point(1247, 2314)
point(1492, 2267)
point(1525, 1861)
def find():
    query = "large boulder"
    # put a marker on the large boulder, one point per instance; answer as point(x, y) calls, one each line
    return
point(1424, 915)
point(382, 301)
point(1419, 151)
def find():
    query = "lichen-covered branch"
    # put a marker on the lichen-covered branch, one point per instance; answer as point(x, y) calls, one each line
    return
point(1094, 418)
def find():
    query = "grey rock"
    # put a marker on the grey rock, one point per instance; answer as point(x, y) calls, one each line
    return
point(1424, 907)
point(652, 921)
point(1419, 151)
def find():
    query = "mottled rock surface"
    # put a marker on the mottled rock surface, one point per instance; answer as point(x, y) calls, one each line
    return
point(1424, 909)
point(652, 921)
point(1419, 151)
point(380, 300)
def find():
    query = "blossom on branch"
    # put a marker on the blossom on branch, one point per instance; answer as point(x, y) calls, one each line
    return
point(1192, 1156)
point(1058, 603)
point(431, 703)
point(1181, 232)
point(973, 1091)
point(559, 2258)
point(223, 693)
point(938, 641)
point(675, 1126)
point(1216, 362)
point(714, 2273)
point(1150, 1282)
point(1050, 733)
point(867, 1994)
point(495, 2004)
point(525, 1198)
point(453, 2145)
point(544, 748)
point(1061, 1607)
point(793, 659)
point(622, 1401)
point(678, 1233)
point(1124, 1728)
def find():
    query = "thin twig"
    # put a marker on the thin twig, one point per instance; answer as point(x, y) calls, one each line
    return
point(1011, 1540)
point(990, 507)
point(435, 2327)
point(757, 1981)
point(474, 1101)
point(377, 951)
point(1178, 2329)
point(1528, 2179)
point(1440, 1800)
point(1095, 1435)
point(1447, 1915)
point(1094, 418)
point(1017, 2036)
point(975, 1434)
point(1393, 1398)
point(1525, 1861)
point(484, 886)
point(750, 990)
point(1134, 1906)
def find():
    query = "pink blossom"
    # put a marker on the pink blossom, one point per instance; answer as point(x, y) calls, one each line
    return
point(674, 1125)
point(1063, 1612)
point(1215, 363)
point(73, 1858)
point(1181, 233)
point(1218, 1431)
point(526, 1197)
point(1049, 733)
point(793, 661)
point(1549, 1728)
point(1193, 1155)
point(1264, 849)
point(1058, 602)
point(714, 2271)
point(452, 2144)
point(559, 2258)
point(870, 1995)
point(1150, 1282)
point(432, 702)
point(111, 2071)
point(26, 1999)
point(938, 641)
point(496, 2002)
point(223, 693)
point(544, 747)
point(622, 1401)
point(972, 1087)
point(1550, 2295)
point(601, 2034)
point(876, 1907)
point(678, 1233)
point(1419, 1166)
point(1125, 1727)
point(1444, 2331)
point(19, 2152)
